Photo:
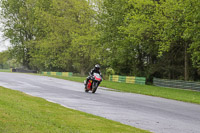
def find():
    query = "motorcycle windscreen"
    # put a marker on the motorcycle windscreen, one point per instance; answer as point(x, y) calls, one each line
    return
point(97, 77)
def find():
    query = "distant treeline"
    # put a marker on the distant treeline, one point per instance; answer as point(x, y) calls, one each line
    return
point(148, 38)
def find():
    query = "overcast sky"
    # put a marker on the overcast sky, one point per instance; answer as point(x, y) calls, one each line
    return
point(3, 43)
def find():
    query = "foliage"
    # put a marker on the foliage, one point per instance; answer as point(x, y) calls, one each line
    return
point(18, 21)
point(110, 71)
point(177, 22)
point(50, 34)
point(151, 38)
point(6, 61)
point(67, 36)
point(3, 59)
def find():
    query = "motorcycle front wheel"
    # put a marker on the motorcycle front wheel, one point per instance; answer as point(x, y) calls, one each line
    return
point(94, 86)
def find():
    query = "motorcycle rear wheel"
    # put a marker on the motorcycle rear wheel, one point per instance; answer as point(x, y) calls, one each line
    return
point(86, 90)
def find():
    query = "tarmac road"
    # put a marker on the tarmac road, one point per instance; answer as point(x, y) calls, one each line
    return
point(150, 113)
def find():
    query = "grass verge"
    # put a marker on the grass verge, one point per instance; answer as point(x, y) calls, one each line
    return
point(4, 70)
point(169, 93)
point(26, 114)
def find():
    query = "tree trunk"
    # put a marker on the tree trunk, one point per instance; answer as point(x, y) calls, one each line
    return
point(82, 72)
point(186, 64)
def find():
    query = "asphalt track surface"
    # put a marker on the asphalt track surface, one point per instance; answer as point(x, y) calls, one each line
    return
point(150, 113)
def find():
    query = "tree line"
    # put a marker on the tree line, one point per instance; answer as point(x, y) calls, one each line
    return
point(150, 38)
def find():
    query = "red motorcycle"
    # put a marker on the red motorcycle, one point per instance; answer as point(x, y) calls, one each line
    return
point(93, 83)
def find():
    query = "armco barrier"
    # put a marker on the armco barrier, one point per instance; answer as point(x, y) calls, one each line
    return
point(66, 74)
point(177, 84)
point(21, 70)
point(127, 79)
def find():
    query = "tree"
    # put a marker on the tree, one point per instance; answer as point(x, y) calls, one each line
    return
point(4, 57)
point(110, 38)
point(128, 35)
point(46, 34)
point(177, 20)
point(67, 30)
point(140, 29)
point(18, 19)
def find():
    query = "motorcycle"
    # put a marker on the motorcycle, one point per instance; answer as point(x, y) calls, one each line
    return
point(93, 83)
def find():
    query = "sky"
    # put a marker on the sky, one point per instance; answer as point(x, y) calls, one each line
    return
point(4, 44)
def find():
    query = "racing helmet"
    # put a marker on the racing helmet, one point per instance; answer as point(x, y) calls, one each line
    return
point(97, 67)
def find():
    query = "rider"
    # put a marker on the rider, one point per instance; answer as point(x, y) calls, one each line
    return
point(96, 69)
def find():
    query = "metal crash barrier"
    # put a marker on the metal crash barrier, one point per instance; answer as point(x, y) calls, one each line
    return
point(177, 84)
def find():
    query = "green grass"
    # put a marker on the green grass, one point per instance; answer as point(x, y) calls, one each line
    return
point(169, 93)
point(4, 70)
point(26, 114)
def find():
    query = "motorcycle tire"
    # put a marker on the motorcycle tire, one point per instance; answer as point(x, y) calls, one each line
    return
point(94, 87)
point(86, 90)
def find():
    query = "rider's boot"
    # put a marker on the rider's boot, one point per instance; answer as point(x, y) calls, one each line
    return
point(86, 82)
